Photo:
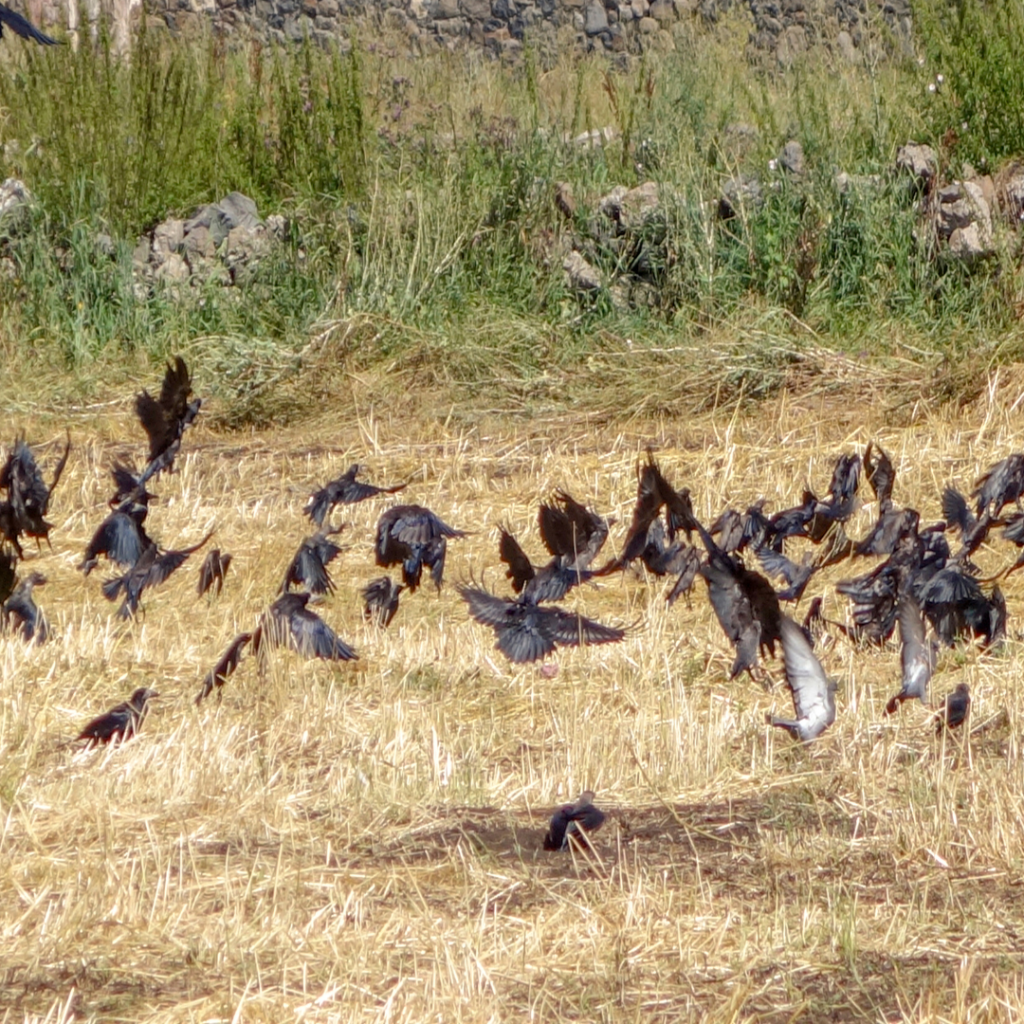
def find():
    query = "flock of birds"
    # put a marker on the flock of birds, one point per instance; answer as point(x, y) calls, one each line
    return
point(924, 589)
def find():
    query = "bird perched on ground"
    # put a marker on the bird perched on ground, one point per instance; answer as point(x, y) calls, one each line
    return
point(415, 537)
point(21, 611)
point(150, 570)
point(166, 418)
point(21, 26)
point(308, 569)
point(212, 572)
point(28, 497)
point(346, 490)
point(813, 693)
point(917, 657)
point(572, 820)
point(955, 709)
point(218, 675)
point(380, 598)
point(288, 622)
point(121, 722)
point(527, 631)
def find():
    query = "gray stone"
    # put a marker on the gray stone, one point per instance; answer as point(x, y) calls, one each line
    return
point(792, 43)
point(611, 204)
point(14, 195)
point(476, 10)
point(167, 237)
point(595, 18)
point(447, 9)
point(792, 158)
point(844, 44)
point(1009, 187)
point(648, 26)
point(918, 160)
point(579, 274)
point(639, 206)
point(740, 194)
point(663, 12)
point(173, 270)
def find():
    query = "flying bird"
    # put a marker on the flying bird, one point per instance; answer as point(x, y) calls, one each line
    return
point(308, 569)
point(121, 537)
point(572, 820)
point(218, 675)
point(955, 709)
point(121, 722)
point(166, 418)
point(150, 570)
point(414, 537)
point(796, 574)
point(28, 497)
point(550, 582)
point(212, 572)
point(1000, 484)
point(21, 611)
point(917, 657)
point(346, 490)
point(527, 631)
point(21, 26)
point(289, 623)
point(380, 597)
point(878, 468)
point(813, 693)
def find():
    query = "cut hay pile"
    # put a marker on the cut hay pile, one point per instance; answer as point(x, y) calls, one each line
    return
point(363, 842)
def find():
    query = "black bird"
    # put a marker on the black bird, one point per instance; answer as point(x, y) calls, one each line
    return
point(745, 604)
point(796, 574)
point(28, 497)
point(212, 572)
point(166, 418)
point(813, 693)
point(346, 490)
point(527, 631)
point(415, 537)
point(878, 468)
point(892, 523)
point(571, 530)
point(917, 657)
point(973, 529)
point(842, 499)
point(21, 26)
point(955, 709)
point(380, 598)
point(150, 570)
point(1001, 484)
point(8, 577)
point(573, 819)
point(122, 722)
point(129, 485)
point(218, 675)
point(288, 622)
point(121, 537)
point(550, 582)
point(308, 569)
point(21, 610)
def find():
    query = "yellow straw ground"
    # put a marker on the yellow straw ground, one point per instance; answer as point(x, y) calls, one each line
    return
point(362, 842)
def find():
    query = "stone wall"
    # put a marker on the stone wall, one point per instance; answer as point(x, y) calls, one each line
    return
point(783, 27)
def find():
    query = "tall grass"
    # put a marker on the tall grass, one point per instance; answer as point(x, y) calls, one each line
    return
point(422, 191)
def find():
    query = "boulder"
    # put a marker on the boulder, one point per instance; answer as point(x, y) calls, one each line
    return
point(918, 160)
point(962, 216)
point(595, 18)
point(740, 194)
point(1009, 187)
point(581, 275)
point(792, 158)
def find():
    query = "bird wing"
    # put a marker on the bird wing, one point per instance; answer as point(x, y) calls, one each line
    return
point(520, 569)
point(805, 676)
point(556, 530)
point(312, 637)
point(23, 27)
point(570, 630)
point(486, 608)
point(169, 562)
point(226, 666)
point(687, 575)
point(175, 391)
point(119, 538)
point(777, 564)
point(209, 571)
point(845, 478)
point(154, 422)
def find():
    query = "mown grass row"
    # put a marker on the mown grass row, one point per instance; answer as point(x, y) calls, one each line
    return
point(421, 192)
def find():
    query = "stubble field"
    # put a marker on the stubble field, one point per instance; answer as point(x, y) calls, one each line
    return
point(364, 841)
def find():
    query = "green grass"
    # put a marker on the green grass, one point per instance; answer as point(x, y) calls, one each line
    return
point(421, 195)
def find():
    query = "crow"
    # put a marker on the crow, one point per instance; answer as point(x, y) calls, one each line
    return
point(218, 675)
point(955, 709)
point(381, 600)
point(413, 536)
point(346, 490)
point(527, 631)
point(917, 657)
point(21, 26)
point(571, 530)
point(1000, 484)
point(212, 572)
point(842, 499)
point(28, 496)
point(813, 692)
point(21, 608)
point(150, 570)
point(166, 418)
point(550, 582)
point(878, 468)
point(288, 622)
point(8, 577)
point(744, 603)
point(121, 722)
point(121, 537)
point(572, 820)
point(308, 569)
point(797, 575)
point(973, 529)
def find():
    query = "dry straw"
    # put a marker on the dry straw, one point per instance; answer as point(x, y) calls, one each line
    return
point(362, 842)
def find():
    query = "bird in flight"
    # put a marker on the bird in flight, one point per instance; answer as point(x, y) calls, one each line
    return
point(21, 26)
